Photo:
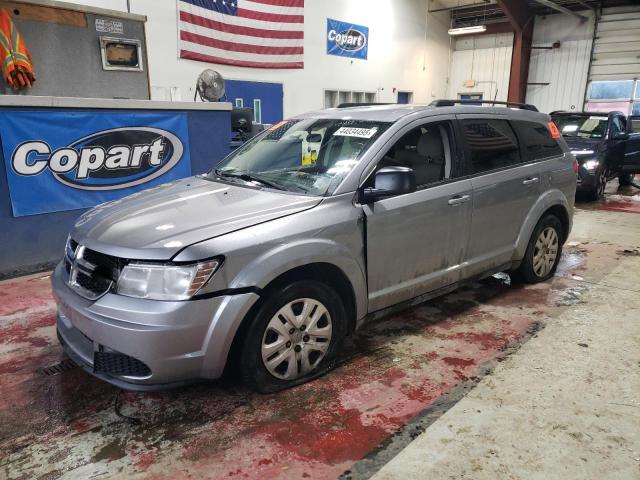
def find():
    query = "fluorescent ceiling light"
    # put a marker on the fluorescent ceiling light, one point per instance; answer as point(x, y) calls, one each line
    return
point(468, 30)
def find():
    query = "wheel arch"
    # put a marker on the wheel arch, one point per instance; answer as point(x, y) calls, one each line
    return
point(323, 272)
point(553, 202)
point(561, 213)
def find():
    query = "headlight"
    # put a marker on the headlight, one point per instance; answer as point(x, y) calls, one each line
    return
point(591, 165)
point(165, 282)
point(577, 153)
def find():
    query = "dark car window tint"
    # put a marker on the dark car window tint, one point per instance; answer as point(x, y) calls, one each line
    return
point(536, 140)
point(492, 144)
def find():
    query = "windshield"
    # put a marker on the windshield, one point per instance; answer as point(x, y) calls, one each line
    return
point(583, 126)
point(308, 156)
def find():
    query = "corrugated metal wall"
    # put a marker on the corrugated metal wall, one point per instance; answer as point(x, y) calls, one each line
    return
point(485, 59)
point(615, 53)
point(563, 70)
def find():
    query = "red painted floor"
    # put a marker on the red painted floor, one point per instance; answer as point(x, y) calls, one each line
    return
point(616, 199)
point(66, 424)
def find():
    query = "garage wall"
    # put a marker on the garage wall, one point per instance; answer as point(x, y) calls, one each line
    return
point(564, 69)
point(485, 59)
point(67, 60)
point(406, 52)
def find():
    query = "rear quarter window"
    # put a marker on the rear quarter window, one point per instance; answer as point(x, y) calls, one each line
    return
point(536, 140)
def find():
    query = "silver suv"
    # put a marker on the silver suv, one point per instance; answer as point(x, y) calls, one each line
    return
point(300, 236)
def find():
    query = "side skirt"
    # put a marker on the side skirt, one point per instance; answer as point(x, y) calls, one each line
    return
point(412, 302)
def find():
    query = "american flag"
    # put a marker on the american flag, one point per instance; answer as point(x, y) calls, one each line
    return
point(246, 33)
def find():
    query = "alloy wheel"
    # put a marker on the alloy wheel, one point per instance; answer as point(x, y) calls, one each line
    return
point(296, 339)
point(545, 252)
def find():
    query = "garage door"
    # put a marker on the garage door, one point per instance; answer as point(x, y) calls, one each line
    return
point(615, 64)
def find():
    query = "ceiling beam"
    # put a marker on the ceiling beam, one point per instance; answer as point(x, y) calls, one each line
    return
point(559, 8)
point(460, 7)
point(517, 11)
point(585, 5)
point(521, 18)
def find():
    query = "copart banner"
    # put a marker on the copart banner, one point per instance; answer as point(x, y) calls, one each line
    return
point(68, 160)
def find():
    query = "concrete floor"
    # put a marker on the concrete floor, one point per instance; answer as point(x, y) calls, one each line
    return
point(491, 381)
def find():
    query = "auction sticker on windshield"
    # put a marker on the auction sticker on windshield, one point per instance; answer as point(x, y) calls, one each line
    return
point(356, 132)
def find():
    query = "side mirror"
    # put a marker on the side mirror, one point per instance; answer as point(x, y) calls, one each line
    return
point(389, 182)
point(621, 136)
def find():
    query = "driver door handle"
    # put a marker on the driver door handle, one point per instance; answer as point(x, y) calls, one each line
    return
point(530, 181)
point(459, 199)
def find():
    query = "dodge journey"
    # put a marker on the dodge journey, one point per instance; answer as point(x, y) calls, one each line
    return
point(297, 238)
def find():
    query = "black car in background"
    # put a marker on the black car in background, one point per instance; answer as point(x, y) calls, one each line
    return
point(606, 145)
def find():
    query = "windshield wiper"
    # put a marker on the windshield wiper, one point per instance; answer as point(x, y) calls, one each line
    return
point(249, 178)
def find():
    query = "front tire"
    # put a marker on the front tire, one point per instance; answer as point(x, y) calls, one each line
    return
point(602, 176)
point(543, 251)
point(294, 337)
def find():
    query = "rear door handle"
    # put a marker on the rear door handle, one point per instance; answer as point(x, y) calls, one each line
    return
point(459, 199)
point(530, 181)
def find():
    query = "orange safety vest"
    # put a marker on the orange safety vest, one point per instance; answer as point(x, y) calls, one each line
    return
point(17, 67)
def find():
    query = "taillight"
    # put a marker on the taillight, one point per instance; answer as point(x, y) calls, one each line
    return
point(555, 133)
point(576, 166)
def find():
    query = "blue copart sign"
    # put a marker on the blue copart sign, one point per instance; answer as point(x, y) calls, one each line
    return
point(76, 159)
point(347, 39)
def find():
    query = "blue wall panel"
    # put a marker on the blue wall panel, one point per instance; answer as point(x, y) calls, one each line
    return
point(34, 243)
point(271, 95)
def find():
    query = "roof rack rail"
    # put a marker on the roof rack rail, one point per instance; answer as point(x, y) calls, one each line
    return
point(451, 103)
point(360, 104)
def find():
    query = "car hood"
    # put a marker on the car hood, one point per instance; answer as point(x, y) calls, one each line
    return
point(579, 143)
point(157, 223)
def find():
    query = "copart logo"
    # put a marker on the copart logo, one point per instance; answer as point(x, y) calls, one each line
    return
point(350, 40)
point(106, 160)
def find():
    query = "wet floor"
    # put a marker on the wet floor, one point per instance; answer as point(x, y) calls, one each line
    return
point(65, 424)
point(616, 199)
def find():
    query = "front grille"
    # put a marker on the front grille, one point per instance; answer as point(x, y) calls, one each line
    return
point(96, 284)
point(91, 273)
point(114, 363)
point(107, 266)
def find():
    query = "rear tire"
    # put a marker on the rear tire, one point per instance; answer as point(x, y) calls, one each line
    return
point(294, 337)
point(543, 251)
point(626, 179)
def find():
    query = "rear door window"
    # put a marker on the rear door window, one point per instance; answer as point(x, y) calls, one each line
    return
point(492, 144)
point(536, 140)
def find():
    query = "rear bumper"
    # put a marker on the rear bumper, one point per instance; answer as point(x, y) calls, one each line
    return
point(178, 342)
